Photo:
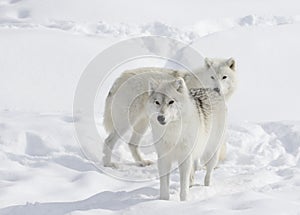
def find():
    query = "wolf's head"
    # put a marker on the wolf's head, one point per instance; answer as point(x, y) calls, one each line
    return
point(166, 100)
point(221, 75)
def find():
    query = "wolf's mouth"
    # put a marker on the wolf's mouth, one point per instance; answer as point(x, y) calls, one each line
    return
point(162, 123)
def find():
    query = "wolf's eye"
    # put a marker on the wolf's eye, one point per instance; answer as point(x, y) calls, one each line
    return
point(171, 102)
point(157, 102)
point(224, 77)
point(212, 77)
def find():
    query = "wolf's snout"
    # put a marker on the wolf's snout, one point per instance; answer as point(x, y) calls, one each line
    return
point(217, 90)
point(161, 119)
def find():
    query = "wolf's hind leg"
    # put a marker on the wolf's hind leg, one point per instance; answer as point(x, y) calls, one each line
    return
point(109, 144)
point(210, 165)
point(139, 130)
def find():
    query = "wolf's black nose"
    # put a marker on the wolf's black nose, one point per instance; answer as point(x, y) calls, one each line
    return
point(161, 119)
point(217, 89)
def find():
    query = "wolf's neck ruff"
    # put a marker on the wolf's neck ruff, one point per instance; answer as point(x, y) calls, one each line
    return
point(206, 99)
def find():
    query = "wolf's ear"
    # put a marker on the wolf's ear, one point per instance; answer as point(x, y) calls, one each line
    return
point(207, 62)
point(179, 84)
point(152, 85)
point(231, 63)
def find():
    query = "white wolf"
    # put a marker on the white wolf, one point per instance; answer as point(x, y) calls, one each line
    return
point(125, 103)
point(218, 73)
point(181, 128)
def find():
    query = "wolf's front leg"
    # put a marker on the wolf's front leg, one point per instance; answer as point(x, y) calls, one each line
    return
point(185, 171)
point(164, 168)
point(193, 170)
point(211, 164)
point(139, 130)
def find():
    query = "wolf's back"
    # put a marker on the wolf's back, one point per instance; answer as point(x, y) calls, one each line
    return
point(155, 73)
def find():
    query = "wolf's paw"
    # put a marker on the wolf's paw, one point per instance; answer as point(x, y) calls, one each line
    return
point(206, 182)
point(183, 196)
point(111, 165)
point(164, 197)
point(144, 163)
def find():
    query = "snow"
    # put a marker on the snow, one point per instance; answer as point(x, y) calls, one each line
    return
point(44, 172)
point(45, 46)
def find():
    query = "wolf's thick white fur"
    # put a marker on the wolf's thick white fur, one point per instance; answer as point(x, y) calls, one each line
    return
point(181, 127)
point(220, 73)
point(125, 104)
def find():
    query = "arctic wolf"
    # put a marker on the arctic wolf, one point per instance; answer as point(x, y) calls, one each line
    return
point(181, 128)
point(125, 103)
point(221, 73)
point(225, 78)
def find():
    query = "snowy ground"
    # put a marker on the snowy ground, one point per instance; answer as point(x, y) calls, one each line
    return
point(44, 172)
point(45, 46)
